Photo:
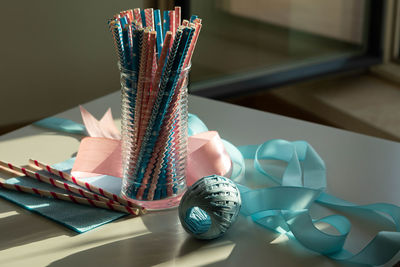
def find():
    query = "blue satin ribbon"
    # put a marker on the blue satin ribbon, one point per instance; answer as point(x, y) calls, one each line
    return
point(62, 125)
point(285, 208)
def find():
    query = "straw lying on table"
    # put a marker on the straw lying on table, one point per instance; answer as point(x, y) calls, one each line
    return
point(66, 176)
point(88, 198)
point(46, 179)
point(157, 52)
point(69, 198)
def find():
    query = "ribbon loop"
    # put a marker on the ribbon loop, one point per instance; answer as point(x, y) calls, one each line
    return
point(285, 208)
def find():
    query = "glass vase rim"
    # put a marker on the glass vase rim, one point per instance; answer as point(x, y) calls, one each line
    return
point(125, 70)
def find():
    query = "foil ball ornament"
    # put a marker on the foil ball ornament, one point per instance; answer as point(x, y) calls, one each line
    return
point(209, 207)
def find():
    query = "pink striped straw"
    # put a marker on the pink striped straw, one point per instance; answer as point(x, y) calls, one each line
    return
point(149, 70)
point(155, 163)
point(185, 22)
point(172, 110)
point(69, 198)
point(92, 188)
point(141, 92)
point(129, 14)
point(177, 17)
point(149, 16)
point(155, 87)
point(157, 158)
point(193, 43)
point(138, 17)
point(172, 27)
point(174, 122)
point(56, 183)
point(140, 88)
point(147, 86)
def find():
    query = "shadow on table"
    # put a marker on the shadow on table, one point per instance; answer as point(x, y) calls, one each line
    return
point(168, 243)
point(13, 230)
point(164, 243)
point(245, 244)
point(153, 248)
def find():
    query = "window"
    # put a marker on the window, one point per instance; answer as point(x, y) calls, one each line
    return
point(254, 45)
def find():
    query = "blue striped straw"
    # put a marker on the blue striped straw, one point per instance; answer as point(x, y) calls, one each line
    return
point(144, 152)
point(132, 85)
point(143, 16)
point(124, 21)
point(165, 22)
point(136, 41)
point(182, 53)
point(168, 87)
point(127, 47)
point(193, 17)
point(117, 33)
point(159, 30)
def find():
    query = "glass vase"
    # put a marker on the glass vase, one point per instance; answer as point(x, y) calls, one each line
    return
point(154, 137)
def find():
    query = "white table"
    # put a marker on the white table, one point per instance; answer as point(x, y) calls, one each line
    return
point(360, 169)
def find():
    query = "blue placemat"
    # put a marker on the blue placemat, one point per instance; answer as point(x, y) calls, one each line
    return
point(79, 218)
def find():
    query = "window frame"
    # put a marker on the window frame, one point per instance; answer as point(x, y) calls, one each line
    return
point(390, 69)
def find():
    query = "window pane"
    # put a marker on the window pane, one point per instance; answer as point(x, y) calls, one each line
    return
point(241, 37)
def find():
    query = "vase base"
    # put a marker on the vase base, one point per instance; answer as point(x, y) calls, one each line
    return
point(158, 205)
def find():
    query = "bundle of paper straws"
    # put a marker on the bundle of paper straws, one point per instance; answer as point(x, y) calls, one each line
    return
point(157, 58)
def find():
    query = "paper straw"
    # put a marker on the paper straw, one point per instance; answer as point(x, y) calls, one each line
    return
point(149, 17)
point(138, 17)
point(129, 14)
point(193, 17)
point(143, 16)
point(160, 66)
point(171, 135)
point(147, 85)
point(140, 86)
point(193, 44)
point(92, 188)
point(56, 183)
point(149, 67)
point(183, 50)
point(136, 47)
point(115, 28)
point(175, 126)
point(140, 166)
point(159, 30)
point(168, 85)
point(185, 22)
point(172, 27)
point(127, 46)
point(69, 198)
point(165, 22)
point(156, 81)
point(176, 129)
point(177, 16)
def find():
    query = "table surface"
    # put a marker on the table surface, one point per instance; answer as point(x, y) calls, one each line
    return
point(360, 169)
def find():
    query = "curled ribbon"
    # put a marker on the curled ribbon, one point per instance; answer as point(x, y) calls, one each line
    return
point(285, 208)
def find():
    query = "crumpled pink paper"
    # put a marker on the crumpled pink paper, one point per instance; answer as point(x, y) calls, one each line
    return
point(100, 154)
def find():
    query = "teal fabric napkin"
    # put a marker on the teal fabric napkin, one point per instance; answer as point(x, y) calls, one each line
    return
point(77, 217)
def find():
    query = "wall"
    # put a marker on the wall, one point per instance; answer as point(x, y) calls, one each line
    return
point(55, 55)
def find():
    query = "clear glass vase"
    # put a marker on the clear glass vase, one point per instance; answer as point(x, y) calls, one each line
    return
point(154, 137)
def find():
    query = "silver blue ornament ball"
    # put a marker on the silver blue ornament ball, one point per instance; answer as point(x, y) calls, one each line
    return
point(209, 207)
